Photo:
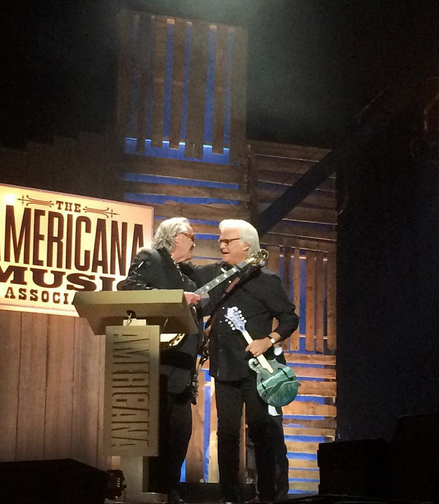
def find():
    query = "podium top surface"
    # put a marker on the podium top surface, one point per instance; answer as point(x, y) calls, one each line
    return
point(166, 308)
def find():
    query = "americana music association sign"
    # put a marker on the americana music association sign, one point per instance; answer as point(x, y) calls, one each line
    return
point(53, 244)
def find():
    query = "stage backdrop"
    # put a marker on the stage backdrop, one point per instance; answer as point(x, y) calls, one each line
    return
point(51, 364)
point(52, 245)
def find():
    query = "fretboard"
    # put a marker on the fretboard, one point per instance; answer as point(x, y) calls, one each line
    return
point(224, 276)
point(218, 280)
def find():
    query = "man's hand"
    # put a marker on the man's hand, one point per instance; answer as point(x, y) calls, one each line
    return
point(192, 298)
point(259, 346)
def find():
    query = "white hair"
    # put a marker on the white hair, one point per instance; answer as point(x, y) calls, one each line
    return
point(247, 233)
point(167, 231)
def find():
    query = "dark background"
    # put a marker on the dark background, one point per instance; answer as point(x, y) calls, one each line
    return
point(313, 64)
point(315, 69)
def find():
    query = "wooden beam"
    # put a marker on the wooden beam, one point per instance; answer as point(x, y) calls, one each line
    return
point(288, 151)
point(220, 88)
point(144, 71)
point(158, 77)
point(300, 243)
point(309, 372)
point(124, 76)
point(288, 179)
point(310, 300)
point(303, 231)
point(309, 408)
point(59, 397)
point(327, 360)
point(186, 191)
point(274, 165)
point(295, 463)
point(318, 388)
point(314, 215)
point(273, 259)
point(331, 292)
point(295, 337)
point(212, 212)
point(31, 400)
point(326, 423)
point(178, 82)
point(390, 106)
point(197, 91)
point(10, 375)
point(315, 198)
point(88, 396)
point(319, 301)
point(302, 431)
point(301, 446)
point(286, 274)
point(183, 169)
point(307, 474)
point(238, 97)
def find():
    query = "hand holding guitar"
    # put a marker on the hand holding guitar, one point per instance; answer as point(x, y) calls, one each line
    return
point(192, 298)
point(277, 384)
point(260, 346)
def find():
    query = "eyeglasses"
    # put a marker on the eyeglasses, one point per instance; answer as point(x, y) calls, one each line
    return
point(190, 236)
point(226, 241)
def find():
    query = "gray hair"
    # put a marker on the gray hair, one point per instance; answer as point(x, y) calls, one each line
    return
point(167, 231)
point(247, 233)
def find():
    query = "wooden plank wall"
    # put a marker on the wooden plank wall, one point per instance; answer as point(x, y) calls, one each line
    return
point(51, 398)
point(160, 55)
point(51, 366)
point(302, 251)
point(186, 190)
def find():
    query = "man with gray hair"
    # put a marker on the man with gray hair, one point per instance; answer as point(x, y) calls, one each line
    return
point(261, 299)
point(159, 268)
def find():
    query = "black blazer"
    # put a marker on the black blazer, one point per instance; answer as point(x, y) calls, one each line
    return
point(155, 269)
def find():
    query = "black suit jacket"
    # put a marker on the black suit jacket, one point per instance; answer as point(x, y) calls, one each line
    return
point(155, 269)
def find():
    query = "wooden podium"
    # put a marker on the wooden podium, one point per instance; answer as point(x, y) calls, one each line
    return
point(132, 322)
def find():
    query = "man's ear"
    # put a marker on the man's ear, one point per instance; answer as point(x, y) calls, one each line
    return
point(246, 246)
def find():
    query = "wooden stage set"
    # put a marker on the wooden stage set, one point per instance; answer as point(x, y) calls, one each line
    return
point(178, 146)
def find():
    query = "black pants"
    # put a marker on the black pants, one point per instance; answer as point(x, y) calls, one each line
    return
point(174, 434)
point(230, 397)
point(282, 477)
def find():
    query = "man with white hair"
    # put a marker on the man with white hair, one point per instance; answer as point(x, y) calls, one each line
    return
point(158, 268)
point(260, 297)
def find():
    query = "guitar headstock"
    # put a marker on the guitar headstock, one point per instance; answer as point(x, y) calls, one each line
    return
point(235, 319)
point(258, 257)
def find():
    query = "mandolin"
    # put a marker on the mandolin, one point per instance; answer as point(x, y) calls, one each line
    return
point(277, 384)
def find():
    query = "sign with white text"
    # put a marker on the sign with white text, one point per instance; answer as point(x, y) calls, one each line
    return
point(53, 244)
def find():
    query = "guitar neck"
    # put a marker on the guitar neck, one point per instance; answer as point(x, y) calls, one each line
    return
point(222, 278)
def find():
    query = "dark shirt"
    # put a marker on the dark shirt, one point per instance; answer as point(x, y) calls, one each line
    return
point(155, 269)
point(260, 297)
